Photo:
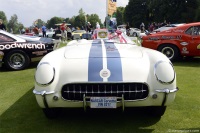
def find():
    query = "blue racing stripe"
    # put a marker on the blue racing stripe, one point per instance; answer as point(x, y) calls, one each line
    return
point(113, 62)
point(95, 61)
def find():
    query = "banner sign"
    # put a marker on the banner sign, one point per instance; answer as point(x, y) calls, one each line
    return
point(111, 23)
point(112, 7)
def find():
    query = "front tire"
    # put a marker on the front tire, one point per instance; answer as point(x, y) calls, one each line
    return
point(170, 51)
point(134, 34)
point(17, 60)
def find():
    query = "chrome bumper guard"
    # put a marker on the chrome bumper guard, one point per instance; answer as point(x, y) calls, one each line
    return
point(85, 103)
point(166, 92)
point(43, 94)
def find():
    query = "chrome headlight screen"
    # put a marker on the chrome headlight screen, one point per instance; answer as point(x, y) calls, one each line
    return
point(164, 72)
point(45, 74)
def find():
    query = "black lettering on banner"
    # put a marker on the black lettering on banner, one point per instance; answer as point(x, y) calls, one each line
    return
point(22, 45)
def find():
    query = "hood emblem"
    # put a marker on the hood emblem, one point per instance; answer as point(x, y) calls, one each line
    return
point(105, 73)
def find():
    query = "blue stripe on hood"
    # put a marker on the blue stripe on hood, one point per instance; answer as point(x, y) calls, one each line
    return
point(113, 62)
point(95, 61)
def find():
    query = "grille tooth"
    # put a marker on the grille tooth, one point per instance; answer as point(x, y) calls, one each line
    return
point(131, 91)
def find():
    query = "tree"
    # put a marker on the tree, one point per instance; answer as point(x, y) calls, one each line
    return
point(79, 21)
point(38, 23)
point(20, 26)
point(72, 21)
point(136, 12)
point(3, 17)
point(55, 20)
point(174, 11)
point(120, 15)
point(93, 19)
point(13, 24)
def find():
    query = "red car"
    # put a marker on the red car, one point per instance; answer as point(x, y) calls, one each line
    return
point(176, 42)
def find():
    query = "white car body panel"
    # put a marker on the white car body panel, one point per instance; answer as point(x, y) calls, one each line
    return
point(18, 39)
point(99, 61)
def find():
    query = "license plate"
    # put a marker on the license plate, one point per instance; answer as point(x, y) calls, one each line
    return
point(103, 102)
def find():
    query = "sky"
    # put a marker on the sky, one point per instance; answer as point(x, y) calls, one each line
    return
point(30, 10)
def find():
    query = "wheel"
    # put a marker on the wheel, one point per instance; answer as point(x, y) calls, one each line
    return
point(16, 60)
point(134, 34)
point(156, 111)
point(170, 51)
point(51, 113)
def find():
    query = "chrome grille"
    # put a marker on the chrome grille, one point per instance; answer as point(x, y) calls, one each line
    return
point(131, 91)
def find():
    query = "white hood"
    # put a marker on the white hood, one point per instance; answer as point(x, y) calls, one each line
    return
point(97, 62)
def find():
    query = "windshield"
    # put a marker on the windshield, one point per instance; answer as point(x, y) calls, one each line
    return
point(120, 37)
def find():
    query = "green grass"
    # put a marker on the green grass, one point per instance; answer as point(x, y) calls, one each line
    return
point(19, 111)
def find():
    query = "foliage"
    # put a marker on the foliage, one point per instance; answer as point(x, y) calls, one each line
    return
point(3, 17)
point(14, 26)
point(38, 23)
point(93, 19)
point(174, 11)
point(135, 12)
point(79, 21)
point(55, 20)
point(120, 15)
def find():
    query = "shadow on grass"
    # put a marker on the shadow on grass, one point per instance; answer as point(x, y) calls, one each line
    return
point(25, 116)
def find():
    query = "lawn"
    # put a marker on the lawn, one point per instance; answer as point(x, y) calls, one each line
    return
point(19, 111)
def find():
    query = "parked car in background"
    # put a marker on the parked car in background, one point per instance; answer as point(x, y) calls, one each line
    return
point(57, 32)
point(19, 50)
point(107, 72)
point(163, 28)
point(78, 33)
point(167, 27)
point(133, 32)
point(180, 41)
point(49, 33)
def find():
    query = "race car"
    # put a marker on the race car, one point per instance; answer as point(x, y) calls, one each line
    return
point(180, 41)
point(108, 72)
point(16, 51)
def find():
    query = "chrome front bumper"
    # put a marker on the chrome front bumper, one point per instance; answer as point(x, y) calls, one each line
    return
point(166, 92)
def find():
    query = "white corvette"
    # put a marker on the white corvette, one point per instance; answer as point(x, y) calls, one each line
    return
point(109, 72)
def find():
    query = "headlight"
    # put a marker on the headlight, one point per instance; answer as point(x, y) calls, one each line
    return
point(45, 74)
point(164, 72)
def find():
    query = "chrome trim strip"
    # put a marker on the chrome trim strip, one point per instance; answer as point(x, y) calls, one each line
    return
point(43, 92)
point(166, 90)
point(166, 83)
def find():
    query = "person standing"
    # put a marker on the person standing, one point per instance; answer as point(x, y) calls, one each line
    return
point(2, 26)
point(36, 31)
point(127, 29)
point(44, 31)
point(97, 25)
point(89, 27)
point(142, 27)
point(63, 27)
